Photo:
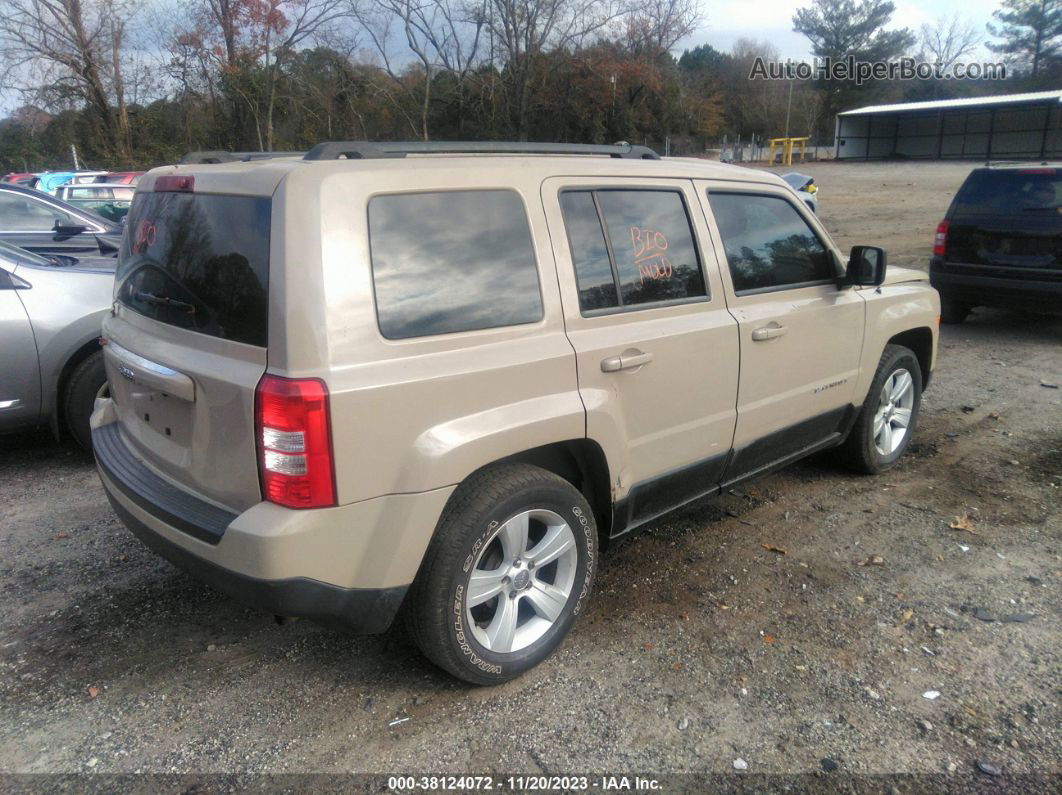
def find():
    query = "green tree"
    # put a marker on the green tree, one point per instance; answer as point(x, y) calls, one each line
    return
point(840, 28)
point(1031, 36)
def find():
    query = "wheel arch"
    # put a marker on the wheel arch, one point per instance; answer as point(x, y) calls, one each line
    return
point(920, 342)
point(72, 361)
point(582, 463)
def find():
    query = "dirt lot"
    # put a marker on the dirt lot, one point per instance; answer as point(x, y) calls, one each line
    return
point(701, 646)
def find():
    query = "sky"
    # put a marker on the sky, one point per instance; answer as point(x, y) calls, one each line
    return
point(726, 21)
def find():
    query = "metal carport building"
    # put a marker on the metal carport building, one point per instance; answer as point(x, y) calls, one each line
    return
point(1008, 127)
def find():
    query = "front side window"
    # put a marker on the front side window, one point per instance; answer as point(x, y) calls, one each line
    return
point(452, 261)
point(768, 244)
point(631, 247)
point(20, 213)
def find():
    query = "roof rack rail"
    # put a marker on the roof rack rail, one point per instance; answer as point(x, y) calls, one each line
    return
point(1027, 162)
point(220, 156)
point(359, 150)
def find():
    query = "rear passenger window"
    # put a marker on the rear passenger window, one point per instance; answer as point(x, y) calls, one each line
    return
point(452, 261)
point(631, 247)
point(767, 243)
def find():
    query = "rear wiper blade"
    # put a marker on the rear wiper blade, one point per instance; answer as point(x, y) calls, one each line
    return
point(164, 300)
point(1054, 208)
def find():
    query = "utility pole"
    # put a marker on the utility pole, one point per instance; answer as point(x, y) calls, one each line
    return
point(789, 107)
point(73, 154)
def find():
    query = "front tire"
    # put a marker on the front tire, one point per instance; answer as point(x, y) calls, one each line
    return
point(889, 414)
point(509, 570)
point(79, 398)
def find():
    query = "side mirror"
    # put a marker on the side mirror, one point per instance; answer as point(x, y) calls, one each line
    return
point(9, 281)
point(68, 230)
point(866, 266)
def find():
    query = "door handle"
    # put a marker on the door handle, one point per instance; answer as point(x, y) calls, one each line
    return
point(768, 332)
point(628, 360)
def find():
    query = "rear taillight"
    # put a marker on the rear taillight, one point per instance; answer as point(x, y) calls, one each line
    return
point(940, 242)
point(294, 438)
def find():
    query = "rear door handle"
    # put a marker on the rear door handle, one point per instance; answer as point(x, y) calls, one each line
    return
point(768, 332)
point(628, 360)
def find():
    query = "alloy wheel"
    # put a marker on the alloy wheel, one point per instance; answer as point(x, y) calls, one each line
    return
point(892, 419)
point(521, 581)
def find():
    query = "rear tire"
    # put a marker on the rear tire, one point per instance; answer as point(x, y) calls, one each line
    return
point(79, 398)
point(893, 400)
point(953, 312)
point(509, 570)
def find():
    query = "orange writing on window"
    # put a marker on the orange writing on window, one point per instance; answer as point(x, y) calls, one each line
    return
point(145, 237)
point(649, 246)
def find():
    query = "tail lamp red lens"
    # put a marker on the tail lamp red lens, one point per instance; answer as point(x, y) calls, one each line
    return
point(940, 242)
point(294, 438)
point(175, 183)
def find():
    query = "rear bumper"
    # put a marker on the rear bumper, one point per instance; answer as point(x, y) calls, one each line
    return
point(361, 610)
point(346, 567)
point(981, 290)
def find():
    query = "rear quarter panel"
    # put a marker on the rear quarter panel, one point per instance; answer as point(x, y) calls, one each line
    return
point(422, 413)
point(66, 307)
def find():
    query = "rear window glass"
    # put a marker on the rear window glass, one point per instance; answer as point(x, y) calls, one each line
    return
point(593, 268)
point(650, 255)
point(1035, 190)
point(199, 262)
point(452, 261)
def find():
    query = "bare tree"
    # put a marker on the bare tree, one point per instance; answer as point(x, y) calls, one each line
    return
point(947, 41)
point(72, 48)
point(443, 35)
point(655, 26)
point(251, 41)
point(759, 106)
point(524, 29)
point(305, 19)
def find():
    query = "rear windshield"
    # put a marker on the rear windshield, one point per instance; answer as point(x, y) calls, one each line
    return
point(198, 262)
point(996, 192)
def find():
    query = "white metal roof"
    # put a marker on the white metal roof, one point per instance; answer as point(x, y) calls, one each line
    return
point(967, 102)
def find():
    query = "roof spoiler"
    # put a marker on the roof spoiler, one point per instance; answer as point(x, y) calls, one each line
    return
point(219, 156)
point(364, 150)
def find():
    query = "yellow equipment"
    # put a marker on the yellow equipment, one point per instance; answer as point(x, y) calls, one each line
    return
point(786, 145)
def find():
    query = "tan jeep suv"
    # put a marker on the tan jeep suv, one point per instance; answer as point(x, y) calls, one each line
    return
point(437, 377)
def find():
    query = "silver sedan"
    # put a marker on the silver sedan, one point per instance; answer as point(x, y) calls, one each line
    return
point(51, 365)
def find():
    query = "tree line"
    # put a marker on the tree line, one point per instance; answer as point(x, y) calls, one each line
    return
point(134, 83)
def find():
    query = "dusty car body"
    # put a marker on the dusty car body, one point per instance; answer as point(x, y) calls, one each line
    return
point(51, 368)
point(358, 382)
point(46, 225)
point(1000, 243)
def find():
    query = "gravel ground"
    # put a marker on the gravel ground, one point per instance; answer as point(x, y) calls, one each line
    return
point(700, 647)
